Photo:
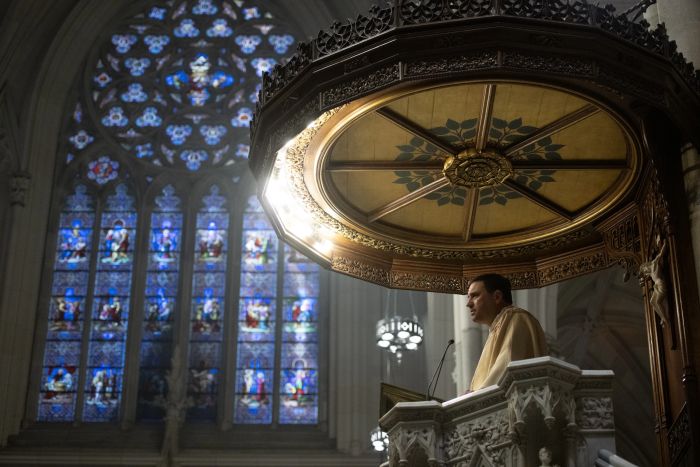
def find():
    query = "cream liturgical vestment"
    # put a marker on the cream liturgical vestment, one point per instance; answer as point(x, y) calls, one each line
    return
point(514, 335)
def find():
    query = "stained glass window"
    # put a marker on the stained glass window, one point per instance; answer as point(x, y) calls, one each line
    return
point(207, 311)
point(177, 85)
point(69, 290)
point(172, 90)
point(263, 263)
point(160, 303)
point(110, 309)
point(256, 318)
point(299, 367)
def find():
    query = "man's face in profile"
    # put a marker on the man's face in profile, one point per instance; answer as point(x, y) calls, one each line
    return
point(483, 305)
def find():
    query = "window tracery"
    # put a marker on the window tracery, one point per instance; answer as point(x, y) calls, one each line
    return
point(172, 90)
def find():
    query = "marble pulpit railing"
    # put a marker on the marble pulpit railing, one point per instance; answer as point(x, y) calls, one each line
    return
point(538, 403)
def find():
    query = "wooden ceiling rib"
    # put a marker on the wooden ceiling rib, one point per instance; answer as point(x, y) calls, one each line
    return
point(539, 199)
point(408, 199)
point(359, 166)
point(573, 164)
point(411, 127)
point(485, 114)
point(558, 125)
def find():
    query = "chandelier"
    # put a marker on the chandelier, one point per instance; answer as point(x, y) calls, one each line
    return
point(379, 439)
point(396, 333)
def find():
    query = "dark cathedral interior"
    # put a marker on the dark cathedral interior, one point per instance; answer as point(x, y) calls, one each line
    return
point(241, 233)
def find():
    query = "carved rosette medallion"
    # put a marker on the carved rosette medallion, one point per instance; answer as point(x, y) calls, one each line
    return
point(476, 169)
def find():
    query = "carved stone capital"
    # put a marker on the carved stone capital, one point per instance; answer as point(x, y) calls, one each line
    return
point(595, 413)
point(549, 399)
point(407, 440)
point(19, 187)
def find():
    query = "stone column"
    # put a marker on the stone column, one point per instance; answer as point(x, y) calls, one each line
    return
point(12, 312)
point(354, 363)
point(691, 177)
point(469, 340)
point(542, 303)
point(439, 329)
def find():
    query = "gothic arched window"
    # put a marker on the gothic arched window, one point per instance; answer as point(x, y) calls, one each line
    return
point(163, 255)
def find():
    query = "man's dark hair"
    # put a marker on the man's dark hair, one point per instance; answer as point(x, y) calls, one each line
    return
point(493, 282)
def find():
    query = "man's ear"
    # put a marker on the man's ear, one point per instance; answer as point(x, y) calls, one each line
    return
point(498, 296)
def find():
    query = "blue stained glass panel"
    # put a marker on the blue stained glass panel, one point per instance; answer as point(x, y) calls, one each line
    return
point(296, 262)
point(202, 388)
point(256, 355)
point(211, 241)
point(299, 353)
point(207, 308)
point(253, 401)
point(110, 311)
point(62, 353)
point(74, 240)
point(116, 247)
point(257, 314)
point(60, 373)
point(162, 277)
point(159, 285)
point(300, 284)
point(58, 393)
point(66, 309)
point(300, 320)
point(258, 284)
point(109, 317)
point(207, 317)
point(293, 354)
point(299, 410)
point(299, 382)
point(259, 250)
point(102, 394)
point(211, 284)
point(256, 320)
point(254, 220)
point(106, 353)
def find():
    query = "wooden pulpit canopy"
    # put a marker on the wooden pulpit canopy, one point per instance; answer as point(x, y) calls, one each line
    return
point(430, 141)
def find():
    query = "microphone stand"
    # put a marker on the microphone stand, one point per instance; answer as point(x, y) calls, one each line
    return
point(436, 375)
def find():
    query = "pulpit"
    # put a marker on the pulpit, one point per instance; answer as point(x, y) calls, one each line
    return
point(543, 411)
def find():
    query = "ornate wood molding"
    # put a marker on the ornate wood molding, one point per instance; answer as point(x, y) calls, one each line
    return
point(622, 239)
point(679, 435)
point(402, 14)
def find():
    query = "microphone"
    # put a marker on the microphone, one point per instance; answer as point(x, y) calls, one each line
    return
point(436, 375)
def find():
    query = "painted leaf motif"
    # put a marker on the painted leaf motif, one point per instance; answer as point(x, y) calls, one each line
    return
point(440, 131)
point(468, 123)
point(545, 141)
point(513, 124)
point(417, 142)
point(498, 123)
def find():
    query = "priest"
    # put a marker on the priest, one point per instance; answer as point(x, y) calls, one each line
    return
point(514, 334)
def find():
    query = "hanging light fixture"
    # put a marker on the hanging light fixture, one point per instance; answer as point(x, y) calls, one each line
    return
point(397, 334)
point(379, 439)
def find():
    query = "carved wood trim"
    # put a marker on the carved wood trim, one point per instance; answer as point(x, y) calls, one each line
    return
point(622, 239)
